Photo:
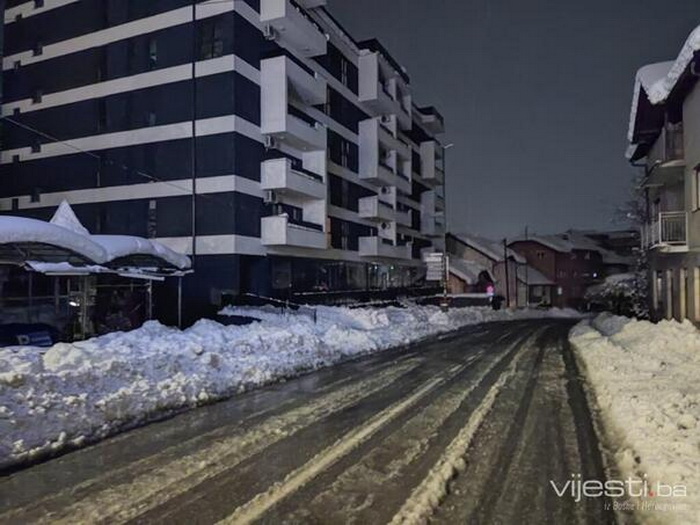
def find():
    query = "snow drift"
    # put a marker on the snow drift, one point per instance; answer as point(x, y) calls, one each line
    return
point(644, 378)
point(74, 393)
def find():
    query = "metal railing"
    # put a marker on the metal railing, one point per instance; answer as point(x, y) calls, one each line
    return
point(667, 229)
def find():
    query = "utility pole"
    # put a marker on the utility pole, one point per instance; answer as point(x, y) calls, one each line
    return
point(193, 151)
point(505, 261)
point(527, 271)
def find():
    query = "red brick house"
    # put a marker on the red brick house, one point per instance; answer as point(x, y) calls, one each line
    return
point(572, 262)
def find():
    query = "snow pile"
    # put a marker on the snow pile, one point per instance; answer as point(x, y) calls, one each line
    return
point(73, 393)
point(645, 380)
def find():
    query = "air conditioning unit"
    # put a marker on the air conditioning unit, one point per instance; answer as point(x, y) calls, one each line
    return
point(270, 197)
point(269, 32)
point(270, 142)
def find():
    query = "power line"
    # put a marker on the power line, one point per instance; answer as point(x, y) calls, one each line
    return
point(110, 162)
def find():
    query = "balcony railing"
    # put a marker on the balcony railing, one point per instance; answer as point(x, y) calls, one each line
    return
point(668, 229)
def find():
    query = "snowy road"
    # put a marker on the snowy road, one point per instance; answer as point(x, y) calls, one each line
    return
point(372, 441)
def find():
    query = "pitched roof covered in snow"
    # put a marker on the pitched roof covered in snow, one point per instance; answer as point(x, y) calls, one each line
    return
point(655, 85)
point(554, 242)
point(574, 240)
point(532, 277)
point(489, 248)
point(468, 271)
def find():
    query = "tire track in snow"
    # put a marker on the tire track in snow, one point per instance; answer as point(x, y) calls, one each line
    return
point(256, 507)
point(160, 482)
point(427, 496)
point(348, 444)
point(368, 483)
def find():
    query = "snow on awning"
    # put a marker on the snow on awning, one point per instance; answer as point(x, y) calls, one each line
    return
point(65, 241)
point(124, 250)
point(24, 239)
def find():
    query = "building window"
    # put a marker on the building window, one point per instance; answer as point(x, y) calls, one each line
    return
point(102, 114)
point(211, 44)
point(345, 236)
point(345, 154)
point(697, 187)
point(344, 71)
point(152, 227)
point(540, 255)
point(152, 53)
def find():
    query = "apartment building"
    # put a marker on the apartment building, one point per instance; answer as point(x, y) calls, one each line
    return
point(664, 137)
point(257, 136)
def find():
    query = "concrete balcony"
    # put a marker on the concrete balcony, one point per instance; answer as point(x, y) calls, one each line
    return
point(285, 22)
point(383, 89)
point(432, 203)
point(280, 231)
point(668, 232)
point(384, 159)
point(289, 78)
point(283, 177)
point(432, 226)
point(432, 120)
point(378, 248)
point(374, 209)
point(291, 125)
point(432, 163)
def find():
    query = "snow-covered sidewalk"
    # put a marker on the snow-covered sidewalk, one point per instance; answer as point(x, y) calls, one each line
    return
point(646, 380)
point(74, 393)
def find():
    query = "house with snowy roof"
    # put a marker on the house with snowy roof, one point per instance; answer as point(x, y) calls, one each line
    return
point(664, 139)
point(485, 257)
point(571, 261)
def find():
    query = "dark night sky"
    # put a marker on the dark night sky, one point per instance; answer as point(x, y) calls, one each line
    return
point(536, 95)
